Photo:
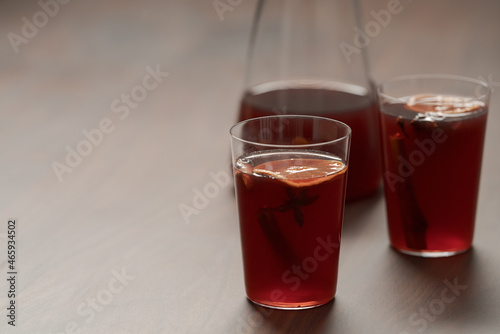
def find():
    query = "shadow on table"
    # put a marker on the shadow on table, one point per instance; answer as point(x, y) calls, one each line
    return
point(312, 320)
point(357, 214)
point(449, 291)
point(462, 265)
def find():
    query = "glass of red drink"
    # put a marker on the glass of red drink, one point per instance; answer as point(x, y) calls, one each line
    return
point(432, 130)
point(290, 177)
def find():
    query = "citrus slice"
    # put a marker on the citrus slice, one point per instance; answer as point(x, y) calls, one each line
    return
point(300, 141)
point(299, 172)
point(445, 104)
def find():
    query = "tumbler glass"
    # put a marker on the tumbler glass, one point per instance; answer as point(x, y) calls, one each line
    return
point(290, 177)
point(433, 129)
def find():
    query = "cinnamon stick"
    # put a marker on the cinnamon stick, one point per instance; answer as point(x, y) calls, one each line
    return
point(414, 222)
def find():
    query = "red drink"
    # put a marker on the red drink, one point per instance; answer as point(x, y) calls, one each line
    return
point(346, 103)
point(432, 155)
point(290, 209)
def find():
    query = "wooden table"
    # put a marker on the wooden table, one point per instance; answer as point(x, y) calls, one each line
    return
point(116, 114)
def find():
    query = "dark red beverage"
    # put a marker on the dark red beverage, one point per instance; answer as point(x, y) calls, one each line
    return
point(349, 104)
point(290, 210)
point(432, 157)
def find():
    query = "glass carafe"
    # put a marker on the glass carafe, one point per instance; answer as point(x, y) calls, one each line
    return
point(302, 59)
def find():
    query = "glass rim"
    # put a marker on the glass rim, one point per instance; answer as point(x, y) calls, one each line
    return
point(433, 76)
point(330, 120)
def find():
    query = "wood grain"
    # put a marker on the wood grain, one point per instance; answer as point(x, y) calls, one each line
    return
point(107, 250)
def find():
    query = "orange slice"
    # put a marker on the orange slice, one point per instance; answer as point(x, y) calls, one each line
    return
point(300, 141)
point(299, 172)
point(445, 104)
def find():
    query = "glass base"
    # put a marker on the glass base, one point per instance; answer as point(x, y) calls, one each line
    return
point(430, 254)
point(291, 307)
